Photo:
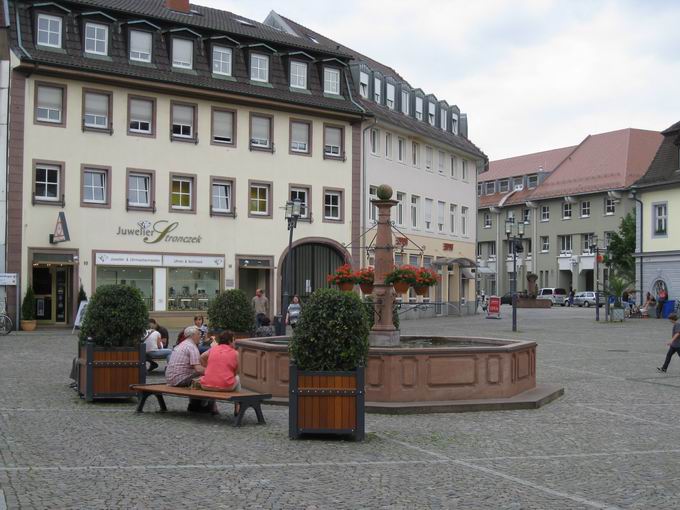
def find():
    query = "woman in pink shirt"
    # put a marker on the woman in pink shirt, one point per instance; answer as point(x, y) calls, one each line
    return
point(221, 362)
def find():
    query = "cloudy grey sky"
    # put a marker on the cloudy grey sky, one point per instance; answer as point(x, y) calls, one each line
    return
point(531, 74)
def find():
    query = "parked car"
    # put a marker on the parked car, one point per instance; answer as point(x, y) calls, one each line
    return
point(587, 298)
point(556, 296)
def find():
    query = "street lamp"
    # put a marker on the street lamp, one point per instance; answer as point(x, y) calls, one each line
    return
point(594, 248)
point(293, 212)
point(514, 244)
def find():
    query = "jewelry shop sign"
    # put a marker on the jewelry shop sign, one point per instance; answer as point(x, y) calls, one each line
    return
point(153, 260)
point(158, 232)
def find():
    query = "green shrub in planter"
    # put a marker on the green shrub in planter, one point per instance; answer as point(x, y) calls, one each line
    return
point(232, 310)
point(332, 333)
point(116, 316)
point(28, 306)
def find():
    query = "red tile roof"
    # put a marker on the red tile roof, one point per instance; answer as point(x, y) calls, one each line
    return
point(526, 164)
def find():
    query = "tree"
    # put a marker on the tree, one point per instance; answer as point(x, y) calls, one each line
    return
point(621, 248)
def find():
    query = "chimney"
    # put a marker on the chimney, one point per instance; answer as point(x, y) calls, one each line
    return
point(178, 5)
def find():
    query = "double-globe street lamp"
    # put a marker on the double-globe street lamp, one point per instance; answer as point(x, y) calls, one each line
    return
point(514, 244)
point(293, 212)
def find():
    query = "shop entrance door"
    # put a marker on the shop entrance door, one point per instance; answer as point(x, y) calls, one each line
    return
point(52, 287)
point(253, 274)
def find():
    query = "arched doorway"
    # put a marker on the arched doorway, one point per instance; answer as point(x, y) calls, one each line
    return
point(312, 261)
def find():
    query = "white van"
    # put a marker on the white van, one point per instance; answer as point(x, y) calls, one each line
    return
point(556, 295)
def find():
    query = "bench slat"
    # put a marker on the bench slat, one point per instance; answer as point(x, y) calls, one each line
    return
point(228, 396)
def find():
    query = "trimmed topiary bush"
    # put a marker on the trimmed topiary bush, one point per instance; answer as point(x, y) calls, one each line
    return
point(232, 310)
point(116, 316)
point(28, 306)
point(332, 333)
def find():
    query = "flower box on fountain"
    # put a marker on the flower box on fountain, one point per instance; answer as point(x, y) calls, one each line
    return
point(344, 278)
point(365, 278)
point(425, 278)
point(401, 278)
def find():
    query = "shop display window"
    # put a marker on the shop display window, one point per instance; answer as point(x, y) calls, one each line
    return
point(192, 289)
point(138, 277)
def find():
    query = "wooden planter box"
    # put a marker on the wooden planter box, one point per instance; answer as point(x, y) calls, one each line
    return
point(108, 372)
point(326, 403)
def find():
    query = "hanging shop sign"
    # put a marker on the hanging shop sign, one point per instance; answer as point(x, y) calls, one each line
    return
point(128, 259)
point(192, 261)
point(161, 231)
point(60, 234)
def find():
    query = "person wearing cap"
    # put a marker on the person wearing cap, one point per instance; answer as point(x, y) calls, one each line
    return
point(185, 361)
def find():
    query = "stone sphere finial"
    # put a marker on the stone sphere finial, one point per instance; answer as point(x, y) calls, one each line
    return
point(384, 192)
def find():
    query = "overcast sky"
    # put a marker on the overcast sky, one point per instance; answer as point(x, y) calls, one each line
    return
point(531, 75)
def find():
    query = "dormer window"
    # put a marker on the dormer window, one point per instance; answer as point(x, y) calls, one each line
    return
point(431, 113)
point(405, 100)
point(442, 119)
point(298, 75)
point(490, 187)
point(221, 60)
point(389, 99)
point(532, 181)
point(96, 39)
point(331, 81)
point(504, 186)
point(377, 90)
point(454, 124)
point(49, 30)
point(259, 67)
point(363, 85)
point(182, 53)
point(140, 46)
point(419, 108)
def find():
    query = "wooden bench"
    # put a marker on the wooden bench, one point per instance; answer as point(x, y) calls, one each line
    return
point(245, 399)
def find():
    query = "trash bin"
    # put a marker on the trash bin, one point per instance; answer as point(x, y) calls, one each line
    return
point(668, 308)
point(279, 326)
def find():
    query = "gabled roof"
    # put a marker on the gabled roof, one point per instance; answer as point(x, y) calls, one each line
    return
point(526, 164)
point(665, 167)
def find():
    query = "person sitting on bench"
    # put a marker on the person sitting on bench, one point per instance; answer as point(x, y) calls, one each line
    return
point(185, 362)
point(155, 349)
point(221, 362)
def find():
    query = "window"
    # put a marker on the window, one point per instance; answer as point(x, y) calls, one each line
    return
point(223, 127)
point(405, 100)
point(607, 239)
point(377, 90)
point(49, 30)
point(221, 196)
point(95, 186)
point(518, 183)
point(609, 206)
point(389, 96)
point(479, 250)
point(141, 115)
point(139, 190)
point(301, 195)
point(259, 200)
point(510, 215)
point(375, 141)
point(440, 162)
point(587, 242)
point(487, 220)
point(333, 146)
point(532, 181)
point(332, 205)
point(140, 46)
point(299, 137)
point(388, 145)
point(48, 183)
point(566, 211)
point(372, 209)
point(400, 208)
point(401, 147)
point(183, 117)
point(221, 58)
point(182, 53)
point(480, 189)
point(454, 167)
point(140, 278)
point(503, 185)
point(660, 212)
point(331, 81)
point(526, 215)
point(363, 85)
point(442, 118)
point(96, 39)
point(431, 113)
point(298, 75)
point(545, 244)
point(415, 210)
point(191, 288)
point(465, 169)
point(260, 132)
point(419, 108)
point(427, 213)
point(545, 213)
point(565, 244)
point(453, 217)
point(490, 187)
point(259, 67)
point(492, 249)
point(441, 206)
point(585, 209)
point(181, 193)
point(464, 220)
point(428, 158)
point(415, 154)
point(454, 123)
point(49, 105)
point(96, 110)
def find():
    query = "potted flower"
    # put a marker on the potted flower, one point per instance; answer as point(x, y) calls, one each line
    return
point(425, 278)
point(28, 322)
point(365, 278)
point(344, 278)
point(111, 354)
point(328, 353)
point(231, 310)
point(401, 278)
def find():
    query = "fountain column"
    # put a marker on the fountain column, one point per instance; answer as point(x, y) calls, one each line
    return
point(383, 333)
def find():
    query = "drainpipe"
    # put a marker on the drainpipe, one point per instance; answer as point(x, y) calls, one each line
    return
point(633, 195)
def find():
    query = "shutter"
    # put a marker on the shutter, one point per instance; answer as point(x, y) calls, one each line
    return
point(182, 51)
point(50, 97)
point(97, 104)
point(428, 210)
point(140, 41)
point(223, 123)
point(183, 115)
point(334, 136)
point(260, 128)
point(141, 110)
point(300, 132)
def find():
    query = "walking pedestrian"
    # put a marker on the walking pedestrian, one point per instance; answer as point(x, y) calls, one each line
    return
point(674, 345)
point(294, 309)
point(261, 307)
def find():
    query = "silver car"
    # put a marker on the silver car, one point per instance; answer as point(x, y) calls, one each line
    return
point(557, 296)
point(587, 298)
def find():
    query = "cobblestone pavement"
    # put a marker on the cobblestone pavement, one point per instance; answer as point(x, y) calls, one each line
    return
point(608, 443)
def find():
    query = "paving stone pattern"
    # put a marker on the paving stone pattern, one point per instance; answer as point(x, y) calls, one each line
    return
point(608, 443)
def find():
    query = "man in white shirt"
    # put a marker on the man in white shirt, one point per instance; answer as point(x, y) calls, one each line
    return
point(154, 349)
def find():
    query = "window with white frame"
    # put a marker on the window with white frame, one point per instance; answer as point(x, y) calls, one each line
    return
point(479, 250)
point(49, 31)
point(454, 123)
point(466, 164)
point(221, 196)
point(221, 60)
point(431, 113)
point(298, 75)
point(299, 137)
point(585, 209)
point(96, 115)
point(181, 193)
point(532, 181)
point(260, 132)
point(490, 187)
point(389, 96)
point(222, 127)
point(139, 190)
point(363, 85)
point(405, 100)
point(492, 249)
point(401, 197)
point(94, 186)
point(566, 211)
point(419, 108)
point(487, 220)
point(609, 206)
point(49, 104)
point(259, 200)
point(427, 213)
point(141, 116)
point(660, 218)
point(607, 239)
point(440, 162)
point(333, 144)
point(259, 67)
point(587, 242)
point(565, 244)
point(545, 244)
point(415, 154)
point(453, 218)
point(441, 207)
point(140, 45)
point(415, 211)
point(377, 90)
point(518, 183)
point(510, 214)
point(526, 215)
point(428, 158)
point(454, 167)
point(442, 118)
point(332, 205)
point(372, 209)
point(182, 53)
point(375, 141)
point(96, 39)
point(545, 213)
point(182, 121)
point(480, 189)
point(401, 148)
point(331, 81)
point(302, 196)
point(47, 182)
point(464, 220)
point(503, 185)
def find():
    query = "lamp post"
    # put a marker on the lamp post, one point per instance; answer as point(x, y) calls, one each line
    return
point(594, 247)
point(293, 211)
point(514, 244)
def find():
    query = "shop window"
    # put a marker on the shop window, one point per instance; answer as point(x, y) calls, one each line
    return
point(192, 288)
point(140, 278)
point(142, 113)
point(49, 104)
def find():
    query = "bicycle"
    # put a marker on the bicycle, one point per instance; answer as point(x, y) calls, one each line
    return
point(6, 324)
